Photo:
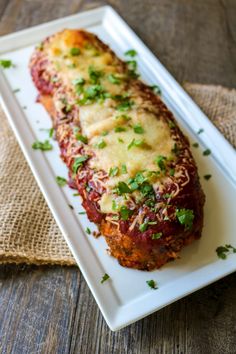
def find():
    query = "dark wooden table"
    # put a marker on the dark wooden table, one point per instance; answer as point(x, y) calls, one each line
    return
point(49, 309)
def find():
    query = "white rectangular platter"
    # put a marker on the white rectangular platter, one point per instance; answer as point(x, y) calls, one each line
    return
point(125, 297)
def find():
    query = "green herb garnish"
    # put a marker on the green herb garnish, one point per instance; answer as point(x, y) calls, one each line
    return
point(125, 213)
point(124, 117)
point(185, 217)
point(123, 169)
point(135, 143)
point(172, 172)
point(102, 144)
point(5, 64)
point(105, 278)
point(120, 140)
point(16, 90)
point(152, 284)
point(104, 133)
point(160, 161)
point(82, 213)
point(143, 227)
point(126, 105)
point(61, 181)
point(74, 51)
point(131, 53)
point(79, 162)
point(44, 146)
point(94, 75)
point(138, 129)
point(200, 131)
point(224, 251)
point(76, 194)
point(88, 231)
point(156, 236)
point(119, 129)
point(207, 177)
point(113, 171)
point(206, 152)
point(114, 79)
point(195, 145)
point(156, 89)
point(51, 131)
point(122, 188)
point(82, 138)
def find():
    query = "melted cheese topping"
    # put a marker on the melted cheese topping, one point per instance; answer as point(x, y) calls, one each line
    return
point(97, 117)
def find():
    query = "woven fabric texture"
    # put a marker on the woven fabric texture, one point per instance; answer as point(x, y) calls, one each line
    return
point(28, 232)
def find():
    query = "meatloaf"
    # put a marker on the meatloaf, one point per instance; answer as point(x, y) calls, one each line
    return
point(125, 153)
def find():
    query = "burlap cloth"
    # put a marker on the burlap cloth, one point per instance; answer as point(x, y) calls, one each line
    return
point(28, 232)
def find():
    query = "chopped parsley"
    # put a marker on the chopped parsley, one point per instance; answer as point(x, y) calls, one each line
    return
point(5, 64)
point(175, 149)
point(185, 217)
point(114, 79)
point(88, 231)
point(76, 194)
point(160, 161)
point(61, 181)
point(44, 146)
point(126, 105)
point(200, 131)
point(51, 131)
point(132, 64)
point(123, 169)
point(124, 117)
point(143, 227)
point(92, 94)
point(114, 205)
point(195, 145)
point(104, 133)
point(94, 75)
point(82, 213)
point(122, 188)
point(131, 53)
point(79, 162)
point(125, 213)
point(119, 129)
point(113, 171)
point(172, 172)
point(224, 251)
point(105, 278)
point(138, 129)
point(74, 51)
point(156, 89)
point(102, 144)
point(71, 206)
point(206, 152)
point(156, 236)
point(207, 177)
point(120, 140)
point(16, 90)
point(78, 83)
point(81, 138)
point(135, 143)
point(152, 284)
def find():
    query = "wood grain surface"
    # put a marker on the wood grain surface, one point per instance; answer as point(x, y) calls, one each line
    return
point(50, 309)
